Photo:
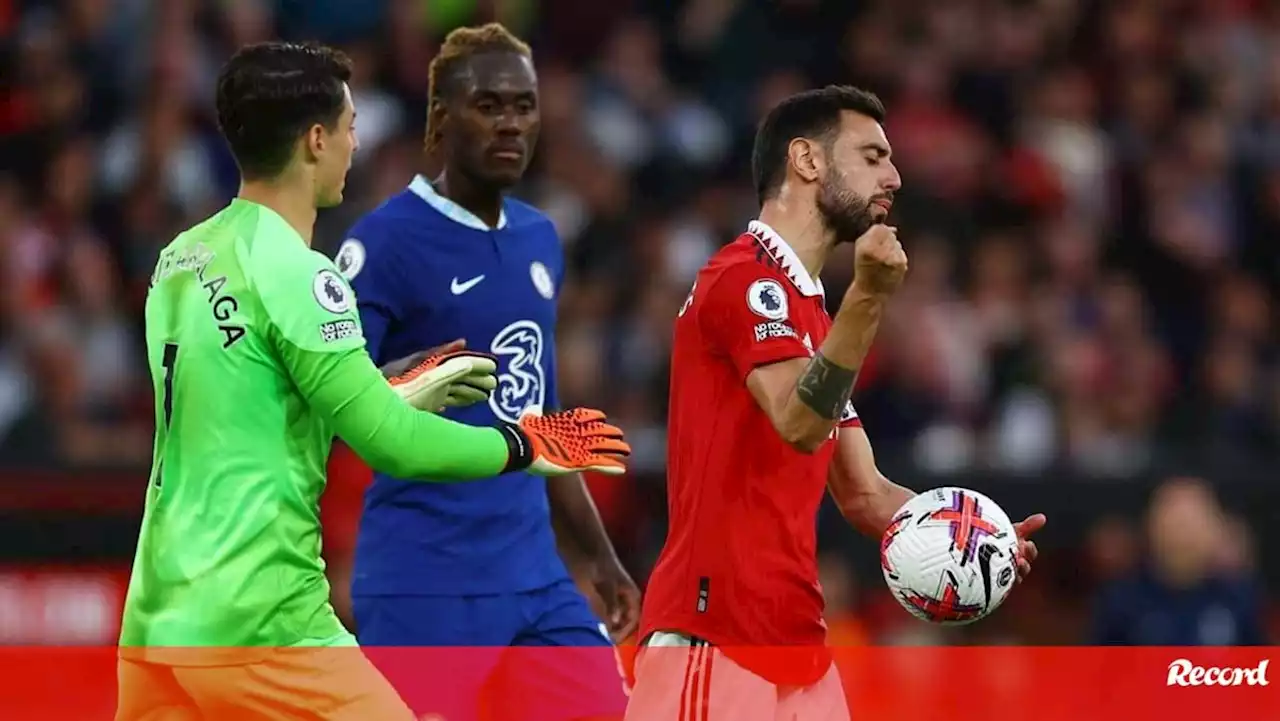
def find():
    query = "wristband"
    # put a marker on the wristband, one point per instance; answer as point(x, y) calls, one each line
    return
point(519, 449)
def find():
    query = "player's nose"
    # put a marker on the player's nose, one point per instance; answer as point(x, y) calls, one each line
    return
point(508, 123)
point(893, 181)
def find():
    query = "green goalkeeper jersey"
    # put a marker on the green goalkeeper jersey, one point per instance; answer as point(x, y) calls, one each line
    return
point(257, 359)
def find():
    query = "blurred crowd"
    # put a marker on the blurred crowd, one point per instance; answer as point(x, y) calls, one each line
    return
point(1089, 190)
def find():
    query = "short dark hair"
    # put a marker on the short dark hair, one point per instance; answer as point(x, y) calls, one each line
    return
point(811, 114)
point(460, 45)
point(270, 93)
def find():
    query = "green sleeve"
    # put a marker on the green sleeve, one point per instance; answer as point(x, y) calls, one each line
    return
point(389, 434)
point(316, 333)
point(307, 302)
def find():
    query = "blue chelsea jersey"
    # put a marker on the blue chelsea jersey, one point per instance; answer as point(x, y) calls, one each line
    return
point(426, 271)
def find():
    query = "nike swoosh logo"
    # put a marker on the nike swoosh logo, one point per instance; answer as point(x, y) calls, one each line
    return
point(984, 565)
point(460, 288)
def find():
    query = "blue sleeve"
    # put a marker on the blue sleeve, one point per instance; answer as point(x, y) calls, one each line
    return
point(367, 260)
point(552, 402)
point(553, 396)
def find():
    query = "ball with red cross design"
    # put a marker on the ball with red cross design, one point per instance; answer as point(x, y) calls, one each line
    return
point(950, 556)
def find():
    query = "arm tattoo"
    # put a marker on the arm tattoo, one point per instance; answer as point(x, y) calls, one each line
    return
point(825, 387)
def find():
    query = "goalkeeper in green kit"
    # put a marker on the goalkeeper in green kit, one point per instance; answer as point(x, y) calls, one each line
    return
point(258, 360)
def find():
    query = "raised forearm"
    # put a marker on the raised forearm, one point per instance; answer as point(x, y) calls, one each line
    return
point(823, 388)
point(854, 329)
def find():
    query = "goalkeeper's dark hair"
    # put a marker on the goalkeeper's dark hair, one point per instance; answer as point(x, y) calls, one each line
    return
point(813, 114)
point(460, 45)
point(270, 93)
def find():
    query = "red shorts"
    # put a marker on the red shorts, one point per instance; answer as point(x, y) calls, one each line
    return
point(681, 679)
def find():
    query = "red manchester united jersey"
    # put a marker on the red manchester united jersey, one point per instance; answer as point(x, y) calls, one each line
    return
point(739, 567)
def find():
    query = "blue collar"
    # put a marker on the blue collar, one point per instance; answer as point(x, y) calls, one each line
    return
point(422, 188)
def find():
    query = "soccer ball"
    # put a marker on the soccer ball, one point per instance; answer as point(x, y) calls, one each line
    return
point(950, 556)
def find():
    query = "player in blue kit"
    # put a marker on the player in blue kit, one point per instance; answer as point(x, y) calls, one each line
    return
point(476, 564)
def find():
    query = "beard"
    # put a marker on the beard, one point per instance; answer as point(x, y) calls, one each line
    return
point(845, 213)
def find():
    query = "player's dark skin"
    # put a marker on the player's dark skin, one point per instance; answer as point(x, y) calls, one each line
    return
point(489, 121)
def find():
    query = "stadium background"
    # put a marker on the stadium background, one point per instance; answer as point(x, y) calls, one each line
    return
point(1092, 192)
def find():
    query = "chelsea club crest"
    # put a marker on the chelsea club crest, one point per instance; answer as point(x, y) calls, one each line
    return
point(542, 280)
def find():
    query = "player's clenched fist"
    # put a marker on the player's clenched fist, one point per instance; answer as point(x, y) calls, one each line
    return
point(566, 442)
point(879, 260)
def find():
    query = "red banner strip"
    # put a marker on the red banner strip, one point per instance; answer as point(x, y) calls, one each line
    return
point(881, 683)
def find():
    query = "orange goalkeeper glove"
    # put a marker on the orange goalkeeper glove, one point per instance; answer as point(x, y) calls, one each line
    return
point(566, 442)
point(447, 380)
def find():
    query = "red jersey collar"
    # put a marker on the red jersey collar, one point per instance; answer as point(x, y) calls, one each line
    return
point(786, 258)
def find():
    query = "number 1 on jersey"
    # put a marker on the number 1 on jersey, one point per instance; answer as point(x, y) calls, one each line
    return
point(168, 362)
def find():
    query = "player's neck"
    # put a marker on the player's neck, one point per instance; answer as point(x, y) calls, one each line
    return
point(484, 202)
point(298, 208)
point(803, 230)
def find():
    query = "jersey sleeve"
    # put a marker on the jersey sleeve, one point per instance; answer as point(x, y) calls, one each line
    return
point(745, 314)
point(849, 417)
point(389, 434)
point(552, 402)
point(366, 260)
point(307, 302)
